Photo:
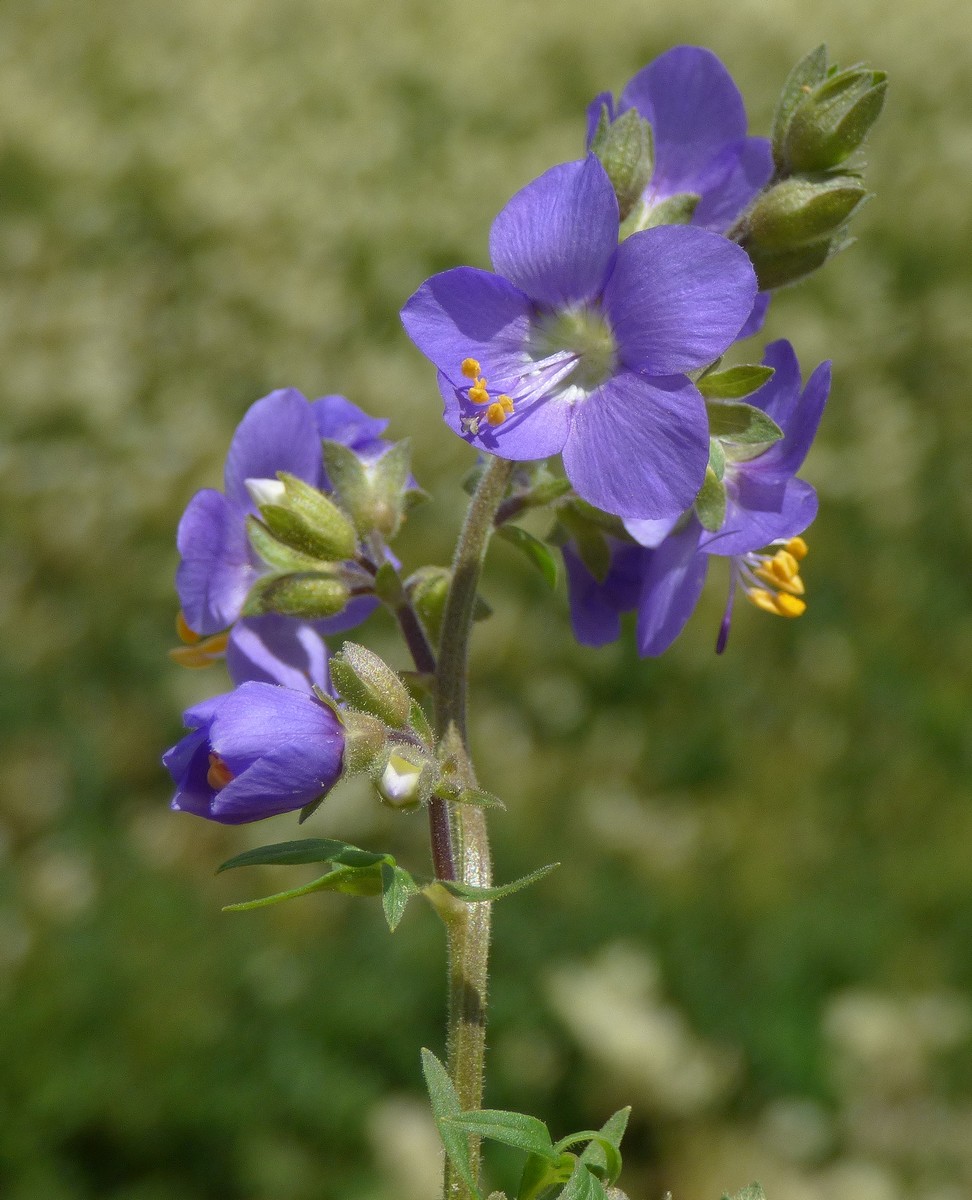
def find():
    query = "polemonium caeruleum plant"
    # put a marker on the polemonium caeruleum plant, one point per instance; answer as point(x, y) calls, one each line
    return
point(586, 371)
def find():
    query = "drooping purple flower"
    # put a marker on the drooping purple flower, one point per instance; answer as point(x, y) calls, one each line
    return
point(281, 432)
point(578, 345)
point(767, 508)
point(255, 752)
point(701, 147)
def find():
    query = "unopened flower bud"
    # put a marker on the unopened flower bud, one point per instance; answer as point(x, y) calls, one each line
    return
point(626, 150)
point(800, 211)
point(373, 491)
point(400, 785)
point(303, 518)
point(308, 594)
point(366, 682)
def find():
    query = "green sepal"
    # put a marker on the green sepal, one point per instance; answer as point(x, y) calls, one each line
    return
point(445, 1105)
point(353, 881)
point(710, 503)
point(419, 723)
point(475, 895)
point(388, 585)
point(753, 1192)
point(808, 72)
point(775, 269)
point(309, 809)
point(717, 458)
point(308, 594)
point(303, 851)
point(273, 552)
point(801, 211)
point(599, 1151)
point(734, 382)
point(589, 541)
point(536, 551)
point(310, 522)
point(373, 493)
point(678, 209)
point(428, 590)
point(627, 152)
point(545, 489)
point(519, 1130)
point(397, 888)
point(831, 122)
point(366, 682)
point(744, 423)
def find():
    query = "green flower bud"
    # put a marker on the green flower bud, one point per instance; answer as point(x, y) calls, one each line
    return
point(824, 114)
point(303, 518)
point(800, 211)
point(308, 594)
point(404, 783)
point(375, 493)
point(626, 150)
point(366, 682)
point(428, 590)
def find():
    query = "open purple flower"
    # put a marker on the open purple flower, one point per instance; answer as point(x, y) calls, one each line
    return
point(767, 508)
point(281, 432)
point(255, 752)
point(579, 345)
point(699, 125)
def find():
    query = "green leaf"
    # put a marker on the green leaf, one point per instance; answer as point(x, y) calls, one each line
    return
point(445, 1105)
point(307, 850)
point(512, 1129)
point(809, 71)
point(397, 888)
point(538, 553)
point(735, 382)
point(717, 458)
point(741, 423)
point(673, 210)
point(611, 1131)
point(582, 1185)
point(419, 723)
point(710, 503)
point(474, 895)
point(353, 881)
point(478, 798)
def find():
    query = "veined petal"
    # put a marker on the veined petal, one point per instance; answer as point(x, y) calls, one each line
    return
point(731, 181)
point(672, 585)
point(750, 528)
point(556, 238)
point(796, 411)
point(595, 608)
point(594, 110)
point(757, 317)
point(536, 429)
point(278, 433)
point(257, 716)
point(694, 109)
point(341, 421)
point(468, 313)
point(216, 570)
point(639, 448)
point(277, 649)
point(650, 533)
point(677, 298)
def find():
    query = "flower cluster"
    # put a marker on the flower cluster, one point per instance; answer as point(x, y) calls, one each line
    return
point(618, 283)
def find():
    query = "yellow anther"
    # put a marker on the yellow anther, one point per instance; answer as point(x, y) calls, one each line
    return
point(790, 606)
point(203, 653)
point(496, 413)
point(798, 548)
point(783, 565)
point(478, 393)
point(219, 774)
point(762, 599)
point(794, 585)
point(187, 635)
point(470, 368)
point(507, 404)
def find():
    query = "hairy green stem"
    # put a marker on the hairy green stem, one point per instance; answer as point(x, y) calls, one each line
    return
point(467, 925)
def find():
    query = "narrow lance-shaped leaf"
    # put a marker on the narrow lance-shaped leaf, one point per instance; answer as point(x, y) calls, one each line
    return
point(306, 850)
point(582, 1185)
point(464, 891)
point(397, 888)
point(445, 1104)
point(537, 552)
point(352, 881)
point(512, 1129)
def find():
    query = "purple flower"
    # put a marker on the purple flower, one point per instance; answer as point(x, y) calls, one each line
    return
point(578, 345)
point(255, 752)
point(281, 432)
point(766, 507)
point(699, 125)
point(277, 649)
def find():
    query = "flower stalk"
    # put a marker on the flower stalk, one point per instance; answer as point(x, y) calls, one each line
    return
point(467, 925)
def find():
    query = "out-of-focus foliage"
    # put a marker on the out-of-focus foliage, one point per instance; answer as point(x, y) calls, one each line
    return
point(760, 934)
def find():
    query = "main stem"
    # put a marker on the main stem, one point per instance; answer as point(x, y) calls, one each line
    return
point(467, 925)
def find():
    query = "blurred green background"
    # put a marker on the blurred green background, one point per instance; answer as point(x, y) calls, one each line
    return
point(760, 932)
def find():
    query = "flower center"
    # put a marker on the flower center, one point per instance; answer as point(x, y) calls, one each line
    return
point(584, 334)
point(219, 774)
